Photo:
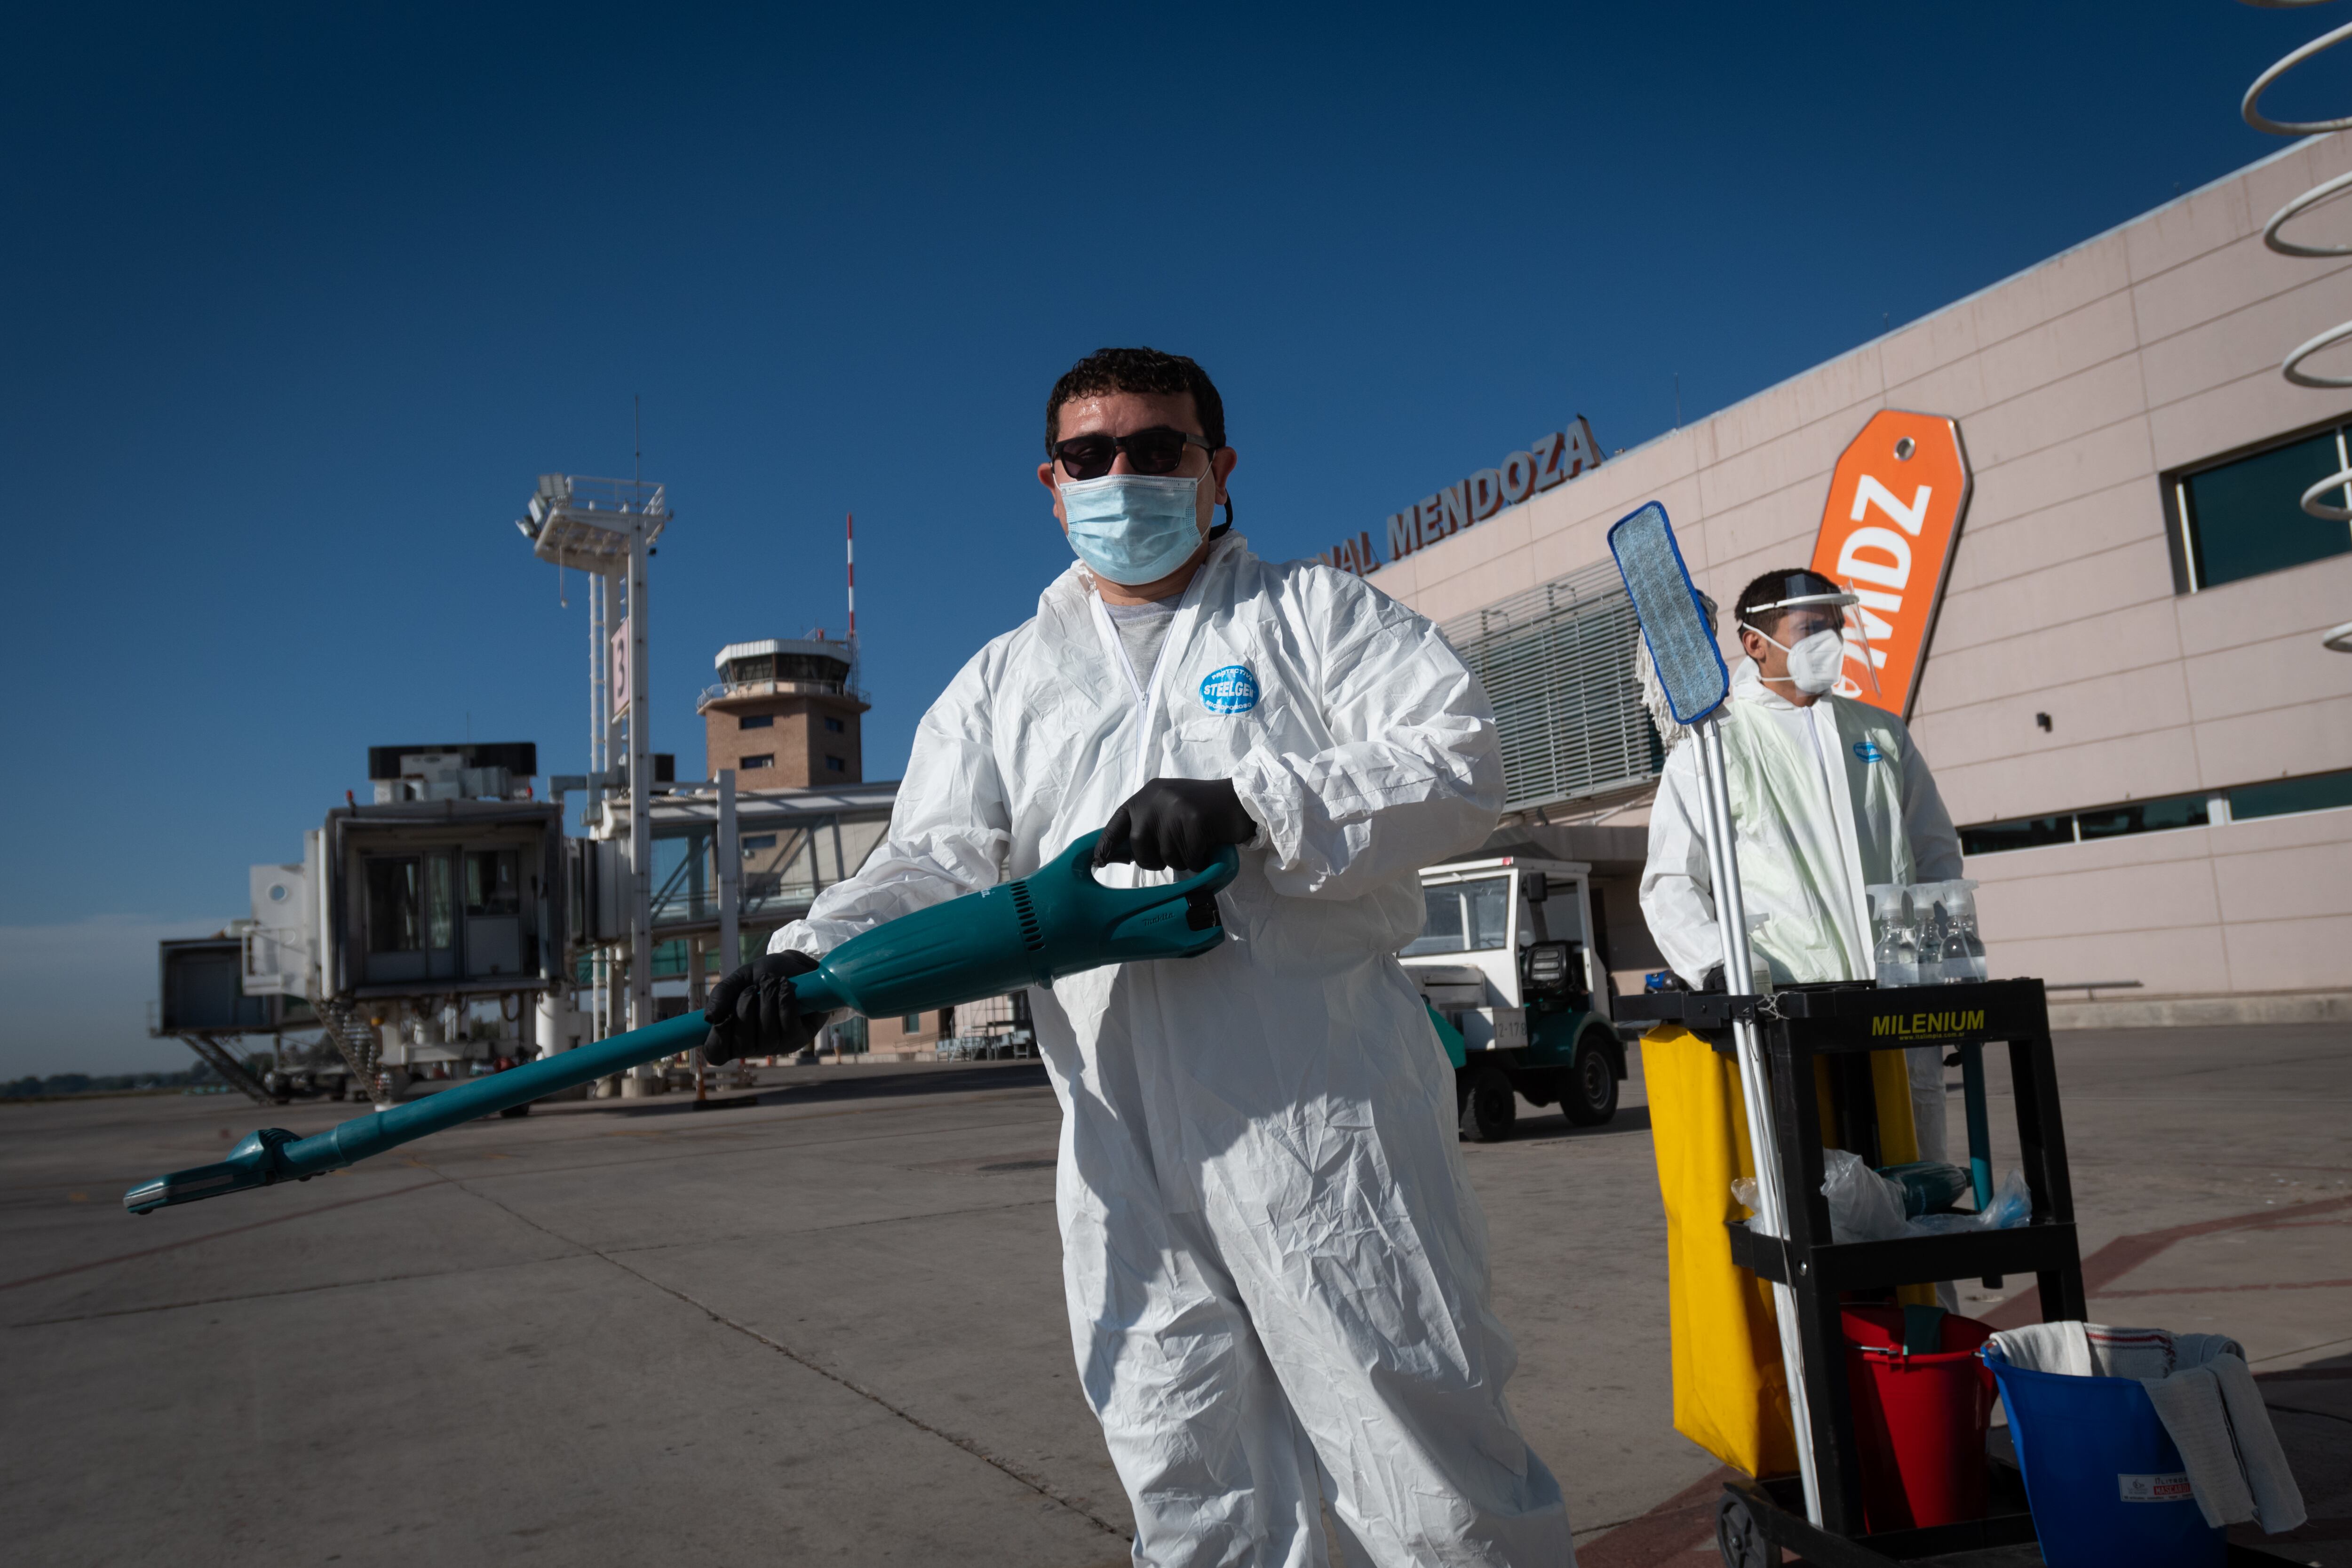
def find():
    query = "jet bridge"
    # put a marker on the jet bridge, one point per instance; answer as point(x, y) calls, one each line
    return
point(403, 917)
point(201, 1003)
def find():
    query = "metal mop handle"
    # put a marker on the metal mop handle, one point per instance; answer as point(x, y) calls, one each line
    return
point(1739, 980)
point(1680, 640)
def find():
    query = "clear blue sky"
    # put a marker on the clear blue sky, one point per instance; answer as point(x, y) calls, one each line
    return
point(298, 299)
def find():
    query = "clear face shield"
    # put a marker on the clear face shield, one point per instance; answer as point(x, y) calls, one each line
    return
point(1808, 611)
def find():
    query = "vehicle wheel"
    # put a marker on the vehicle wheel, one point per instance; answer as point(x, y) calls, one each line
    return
point(1589, 1095)
point(1488, 1106)
point(1738, 1539)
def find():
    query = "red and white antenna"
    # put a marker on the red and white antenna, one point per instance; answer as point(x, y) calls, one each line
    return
point(852, 540)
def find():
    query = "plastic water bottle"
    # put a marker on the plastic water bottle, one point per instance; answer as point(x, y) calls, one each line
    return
point(1930, 948)
point(1970, 964)
point(1896, 958)
point(1964, 953)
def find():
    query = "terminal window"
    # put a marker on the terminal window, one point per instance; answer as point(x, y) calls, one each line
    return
point(2083, 827)
point(832, 727)
point(761, 760)
point(492, 887)
point(836, 765)
point(393, 904)
point(758, 841)
point(2244, 518)
point(2279, 797)
point(440, 902)
point(757, 722)
point(2246, 802)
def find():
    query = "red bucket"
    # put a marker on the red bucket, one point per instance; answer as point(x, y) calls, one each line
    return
point(1920, 1421)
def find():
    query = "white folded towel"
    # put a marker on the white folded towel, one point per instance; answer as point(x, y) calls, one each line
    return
point(2205, 1395)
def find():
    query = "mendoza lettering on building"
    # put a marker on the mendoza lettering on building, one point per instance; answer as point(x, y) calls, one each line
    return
point(1556, 459)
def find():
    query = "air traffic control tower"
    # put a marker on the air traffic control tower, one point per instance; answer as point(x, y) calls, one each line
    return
point(784, 714)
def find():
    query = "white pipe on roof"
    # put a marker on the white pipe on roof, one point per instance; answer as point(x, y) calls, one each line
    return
point(819, 648)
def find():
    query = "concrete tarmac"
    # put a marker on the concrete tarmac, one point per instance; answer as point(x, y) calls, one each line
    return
point(829, 1327)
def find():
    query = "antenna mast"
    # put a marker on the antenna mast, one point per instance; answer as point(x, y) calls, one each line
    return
point(852, 540)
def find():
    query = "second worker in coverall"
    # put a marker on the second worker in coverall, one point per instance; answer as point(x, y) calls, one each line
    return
point(1829, 796)
point(1275, 1267)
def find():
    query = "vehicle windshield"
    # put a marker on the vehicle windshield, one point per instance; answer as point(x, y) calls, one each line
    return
point(1463, 917)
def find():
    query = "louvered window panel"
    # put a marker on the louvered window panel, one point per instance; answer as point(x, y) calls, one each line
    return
point(1557, 662)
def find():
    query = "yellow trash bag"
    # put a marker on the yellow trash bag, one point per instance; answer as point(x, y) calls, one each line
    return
point(1731, 1396)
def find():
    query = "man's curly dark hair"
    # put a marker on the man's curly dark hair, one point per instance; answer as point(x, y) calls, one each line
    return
point(1136, 370)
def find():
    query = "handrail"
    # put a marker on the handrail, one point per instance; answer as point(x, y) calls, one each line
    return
point(732, 688)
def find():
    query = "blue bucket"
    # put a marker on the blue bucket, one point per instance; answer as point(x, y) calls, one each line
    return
point(2105, 1483)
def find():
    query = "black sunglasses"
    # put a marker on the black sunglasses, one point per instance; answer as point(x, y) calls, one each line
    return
point(1154, 451)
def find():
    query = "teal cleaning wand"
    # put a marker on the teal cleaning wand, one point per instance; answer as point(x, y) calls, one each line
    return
point(1056, 920)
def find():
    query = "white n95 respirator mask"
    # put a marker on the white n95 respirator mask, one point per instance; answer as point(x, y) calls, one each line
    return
point(1133, 528)
point(1814, 663)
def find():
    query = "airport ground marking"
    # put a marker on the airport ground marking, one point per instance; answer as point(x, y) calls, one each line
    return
point(967, 1444)
point(214, 1235)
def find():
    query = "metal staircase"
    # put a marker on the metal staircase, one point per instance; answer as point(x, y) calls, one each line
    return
point(361, 1045)
point(231, 1072)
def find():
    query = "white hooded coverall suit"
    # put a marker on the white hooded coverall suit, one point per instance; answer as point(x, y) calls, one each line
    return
point(1274, 1263)
point(1828, 800)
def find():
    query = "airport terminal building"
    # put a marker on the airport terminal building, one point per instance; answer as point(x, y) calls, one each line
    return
point(2118, 667)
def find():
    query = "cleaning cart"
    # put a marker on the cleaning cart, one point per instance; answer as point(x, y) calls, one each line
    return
point(1838, 1026)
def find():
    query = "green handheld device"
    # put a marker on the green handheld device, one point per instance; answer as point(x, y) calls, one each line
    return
point(1056, 920)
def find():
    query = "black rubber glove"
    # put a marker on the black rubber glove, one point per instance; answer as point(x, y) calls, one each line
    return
point(1175, 824)
point(753, 1012)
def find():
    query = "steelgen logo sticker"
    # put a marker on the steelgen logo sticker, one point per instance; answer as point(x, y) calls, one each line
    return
point(1233, 690)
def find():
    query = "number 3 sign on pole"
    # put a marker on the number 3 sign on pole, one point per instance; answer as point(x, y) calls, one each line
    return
point(1888, 533)
point(619, 681)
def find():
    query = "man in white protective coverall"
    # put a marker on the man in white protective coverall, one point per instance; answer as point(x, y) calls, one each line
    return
point(1829, 795)
point(1275, 1266)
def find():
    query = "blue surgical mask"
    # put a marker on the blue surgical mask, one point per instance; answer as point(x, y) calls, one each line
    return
point(1133, 528)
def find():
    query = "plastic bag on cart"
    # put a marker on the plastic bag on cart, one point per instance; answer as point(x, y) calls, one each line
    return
point(2011, 1206)
point(1864, 1205)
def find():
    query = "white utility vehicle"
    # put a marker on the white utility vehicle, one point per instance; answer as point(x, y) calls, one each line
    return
point(1516, 991)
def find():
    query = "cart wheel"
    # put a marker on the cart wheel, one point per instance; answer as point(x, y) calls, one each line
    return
point(1592, 1096)
point(1738, 1539)
point(1489, 1106)
point(514, 1110)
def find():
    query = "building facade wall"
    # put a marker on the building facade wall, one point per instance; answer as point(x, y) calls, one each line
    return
point(890, 1039)
point(2078, 385)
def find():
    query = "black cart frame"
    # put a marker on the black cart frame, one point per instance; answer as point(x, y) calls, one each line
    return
point(1841, 1026)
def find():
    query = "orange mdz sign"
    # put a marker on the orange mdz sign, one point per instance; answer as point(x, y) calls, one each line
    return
point(1888, 530)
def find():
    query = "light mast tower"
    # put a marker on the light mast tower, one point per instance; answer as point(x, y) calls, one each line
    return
point(606, 528)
